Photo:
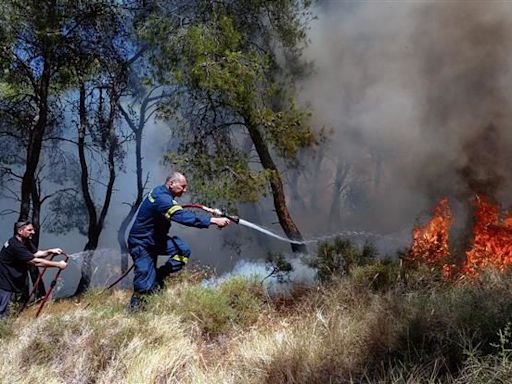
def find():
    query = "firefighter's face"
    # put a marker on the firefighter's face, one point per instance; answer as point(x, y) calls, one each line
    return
point(27, 231)
point(178, 187)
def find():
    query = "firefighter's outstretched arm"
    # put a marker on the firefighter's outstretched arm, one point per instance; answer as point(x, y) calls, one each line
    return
point(220, 222)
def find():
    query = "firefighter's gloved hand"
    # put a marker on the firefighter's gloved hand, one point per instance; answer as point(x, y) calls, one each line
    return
point(220, 222)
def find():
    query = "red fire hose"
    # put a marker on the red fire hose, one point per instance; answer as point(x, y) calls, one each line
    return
point(52, 285)
point(213, 211)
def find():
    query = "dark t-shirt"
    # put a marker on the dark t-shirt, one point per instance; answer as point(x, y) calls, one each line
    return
point(14, 258)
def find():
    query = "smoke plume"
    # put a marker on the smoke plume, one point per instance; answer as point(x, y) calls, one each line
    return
point(417, 95)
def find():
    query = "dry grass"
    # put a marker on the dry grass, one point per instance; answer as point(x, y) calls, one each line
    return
point(347, 331)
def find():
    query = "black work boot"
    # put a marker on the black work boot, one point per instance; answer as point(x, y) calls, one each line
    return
point(137, 303)
point(161, 274)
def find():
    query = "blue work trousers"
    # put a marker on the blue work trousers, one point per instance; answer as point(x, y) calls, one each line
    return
point(5, 301)
point(147, 277)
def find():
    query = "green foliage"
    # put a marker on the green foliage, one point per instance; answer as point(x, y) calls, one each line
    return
point(75, 217)
point(339, 257)
point(444, 322)
point(225, 176)
point(504, 346)
point(378, 275)
point(97, 300)
point(208, 308)
point(6, 328)
point(231, 62)
point(246, 297)
point(236, 301)
point(287, 129)
point(279, 267)
point(46, 49)
point(492, 368)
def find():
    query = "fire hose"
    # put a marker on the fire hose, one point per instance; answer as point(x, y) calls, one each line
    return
point(214, 211)
point(48, 293)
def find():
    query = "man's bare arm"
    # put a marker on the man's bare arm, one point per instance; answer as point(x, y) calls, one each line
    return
point(48, 252)
point(40, 262)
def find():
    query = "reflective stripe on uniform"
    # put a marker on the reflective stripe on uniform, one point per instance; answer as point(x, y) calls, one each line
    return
point(183, 259)
point(171, 211)
point(150, 197)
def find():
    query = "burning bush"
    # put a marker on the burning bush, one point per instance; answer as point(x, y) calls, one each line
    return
point(491, 246)
point(430, 242)
point(492, 241)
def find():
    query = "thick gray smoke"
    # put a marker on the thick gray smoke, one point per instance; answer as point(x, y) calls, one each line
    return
point(418, 96)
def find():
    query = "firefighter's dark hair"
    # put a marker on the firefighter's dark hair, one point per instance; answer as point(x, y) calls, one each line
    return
point(20, 224)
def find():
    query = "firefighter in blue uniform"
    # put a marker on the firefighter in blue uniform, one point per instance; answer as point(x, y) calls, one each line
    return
point(149, 238)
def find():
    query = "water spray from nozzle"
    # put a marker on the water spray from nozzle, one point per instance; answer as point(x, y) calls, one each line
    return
point(219, 213)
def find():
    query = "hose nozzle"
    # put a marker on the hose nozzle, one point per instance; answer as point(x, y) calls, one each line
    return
point(233, 218)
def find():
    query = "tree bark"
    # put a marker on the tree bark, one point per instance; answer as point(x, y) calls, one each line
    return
point(35, 143)
point(95, 223)
point(36, 214)
point(340, 184)
point(276, 185)
point(92, 236)
point(137, 130)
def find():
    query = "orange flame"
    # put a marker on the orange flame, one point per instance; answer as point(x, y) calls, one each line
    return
point(430, 242)
point(491, 246)
point(492, 241)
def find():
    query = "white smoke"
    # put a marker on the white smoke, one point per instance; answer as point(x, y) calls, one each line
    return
point(261, 271)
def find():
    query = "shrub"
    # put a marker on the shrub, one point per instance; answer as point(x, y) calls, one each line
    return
point(279, 267)
point(493, 368)
point(245, 297)
point(208, 307)
point(381, 275)
point(339, 257)
point(6, 329)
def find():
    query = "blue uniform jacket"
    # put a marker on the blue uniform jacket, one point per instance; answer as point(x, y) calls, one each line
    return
point(154, 217)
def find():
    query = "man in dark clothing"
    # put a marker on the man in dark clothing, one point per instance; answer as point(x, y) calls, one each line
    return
point(16, 256)
point(148, 236)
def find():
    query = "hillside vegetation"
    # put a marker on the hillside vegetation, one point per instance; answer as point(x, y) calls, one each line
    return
point(370, 323)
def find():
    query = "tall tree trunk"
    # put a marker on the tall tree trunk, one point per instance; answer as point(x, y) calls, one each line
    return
point(86, 269)
point(35, 143)
point(137, 130)
point(92, 233)
point(36, 214)
point(121, 236)
point(339, 185)
point(276, 185)
point(29, 193)
point(95, 223)
point(296, 197)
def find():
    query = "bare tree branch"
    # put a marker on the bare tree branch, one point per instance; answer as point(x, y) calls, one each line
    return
point(8, 211)
point(9, 171)
point(62, 190)
point(57, 138)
